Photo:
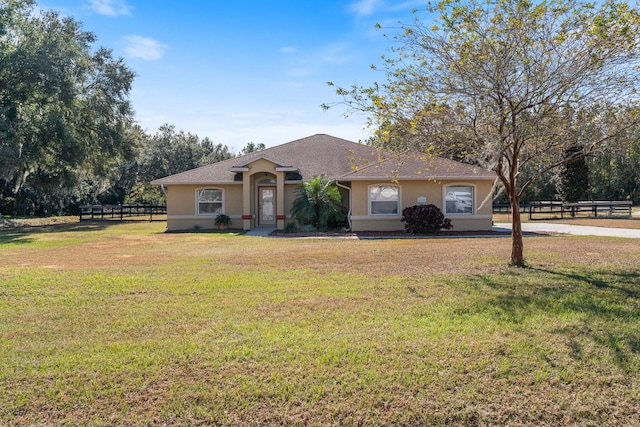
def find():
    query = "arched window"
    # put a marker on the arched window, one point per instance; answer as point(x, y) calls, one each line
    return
point(384, 200)
point(459, 199)
point(210, 201)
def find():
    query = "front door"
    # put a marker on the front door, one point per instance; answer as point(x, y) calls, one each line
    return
point(266, 206)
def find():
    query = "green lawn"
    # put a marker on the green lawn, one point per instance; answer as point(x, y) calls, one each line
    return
point(123, 324)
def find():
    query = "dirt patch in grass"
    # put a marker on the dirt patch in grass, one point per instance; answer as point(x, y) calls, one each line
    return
point(19, 222)
point(120, 247)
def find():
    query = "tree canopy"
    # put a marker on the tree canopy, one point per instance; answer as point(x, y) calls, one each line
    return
point(509, 85)
point(252, 147)
point(64, 106)
point(67, 130)
point(169, 152)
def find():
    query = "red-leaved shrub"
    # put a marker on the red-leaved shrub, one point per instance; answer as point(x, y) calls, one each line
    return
point(424, 219)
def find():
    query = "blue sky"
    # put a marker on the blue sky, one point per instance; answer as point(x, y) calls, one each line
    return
point(241, 71)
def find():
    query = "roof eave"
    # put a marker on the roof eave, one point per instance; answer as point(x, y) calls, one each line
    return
point(424, 177)
point(160, 182)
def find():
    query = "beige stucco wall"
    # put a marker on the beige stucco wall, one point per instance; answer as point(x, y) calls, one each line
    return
point(410, 191)
point(182, 209)
point(182, 212)
point(289, 196)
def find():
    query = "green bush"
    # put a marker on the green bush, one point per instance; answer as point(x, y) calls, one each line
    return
point(291, 227)
point(222, 221)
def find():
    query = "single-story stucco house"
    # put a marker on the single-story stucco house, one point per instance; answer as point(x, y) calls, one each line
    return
point(258, 189)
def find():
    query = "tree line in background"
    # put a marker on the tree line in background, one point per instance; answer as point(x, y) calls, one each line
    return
point(127, 180)
point(68, 135)
point(67, 130)
point(611, 174)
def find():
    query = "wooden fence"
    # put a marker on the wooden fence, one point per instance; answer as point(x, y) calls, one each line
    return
point(122, 212)
point(595, 208)
point(506, 208)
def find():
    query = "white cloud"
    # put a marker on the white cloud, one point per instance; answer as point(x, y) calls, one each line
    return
point(337, 53)
point(288, 49)
point(365, 7)
point(144, 48)
point(110, 7)
point(292, 84)
point(272, 126)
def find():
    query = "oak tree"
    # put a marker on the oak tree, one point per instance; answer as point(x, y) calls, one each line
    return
point(64, 104)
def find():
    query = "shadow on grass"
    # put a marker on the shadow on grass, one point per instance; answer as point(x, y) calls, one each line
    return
point(627, 283)
point(596, 308)
point(22, 234)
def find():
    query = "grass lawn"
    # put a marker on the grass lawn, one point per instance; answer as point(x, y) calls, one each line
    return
point(123, 324)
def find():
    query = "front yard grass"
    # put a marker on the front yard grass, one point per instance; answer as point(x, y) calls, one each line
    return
point(122, 324)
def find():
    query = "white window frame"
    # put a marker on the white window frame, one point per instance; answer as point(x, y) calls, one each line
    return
point(398, 201)
point(445, 193)
point(221, 202)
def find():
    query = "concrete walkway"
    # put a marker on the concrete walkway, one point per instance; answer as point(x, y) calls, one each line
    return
point(577, 230)
point(260, 231)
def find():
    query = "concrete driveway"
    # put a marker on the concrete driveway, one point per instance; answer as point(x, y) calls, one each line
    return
point(578, 230)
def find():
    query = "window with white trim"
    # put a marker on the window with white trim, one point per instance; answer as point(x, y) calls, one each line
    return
point(384, 200)
point(209, 201)
point(459, 199)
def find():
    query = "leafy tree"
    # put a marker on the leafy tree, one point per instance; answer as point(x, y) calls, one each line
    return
point(64, 106)
point(615, 173)
point(574, 176)
point(318, 203)
point(215, 152)
point(168, 152)
point(252, 147)
point(508, 85)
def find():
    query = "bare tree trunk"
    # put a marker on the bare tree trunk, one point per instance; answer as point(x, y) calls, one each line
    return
point(517, 246)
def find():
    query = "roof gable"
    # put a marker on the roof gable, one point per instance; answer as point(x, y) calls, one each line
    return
point(248, 162)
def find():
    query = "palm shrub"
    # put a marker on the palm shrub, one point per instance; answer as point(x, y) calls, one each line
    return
point(423, 219)
point(318, 203)
point(222, 221)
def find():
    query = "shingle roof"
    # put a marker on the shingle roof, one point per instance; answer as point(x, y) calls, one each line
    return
point(337, 158)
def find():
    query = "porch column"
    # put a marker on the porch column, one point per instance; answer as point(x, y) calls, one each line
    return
point(281, 214)
point(247, 222)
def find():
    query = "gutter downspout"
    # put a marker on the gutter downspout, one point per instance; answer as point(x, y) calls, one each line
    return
point(349, 212)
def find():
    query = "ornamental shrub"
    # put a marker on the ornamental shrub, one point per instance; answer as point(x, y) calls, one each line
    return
point(423, 219)
point(319, 204)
